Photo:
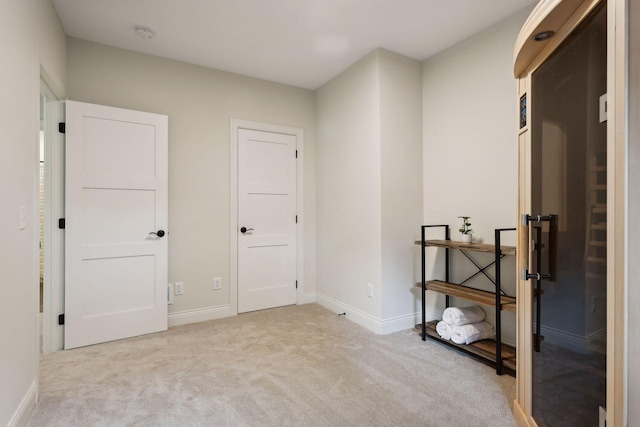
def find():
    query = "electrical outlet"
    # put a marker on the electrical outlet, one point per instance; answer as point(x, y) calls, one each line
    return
point(179, 288)
point(217, 283)
point(369, 290)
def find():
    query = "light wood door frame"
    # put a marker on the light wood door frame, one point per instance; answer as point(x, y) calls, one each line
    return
point(563, 16)
point(235, 125)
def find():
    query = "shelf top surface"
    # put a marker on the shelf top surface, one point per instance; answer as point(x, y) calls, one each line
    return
point(475, 247)
point(483, 297)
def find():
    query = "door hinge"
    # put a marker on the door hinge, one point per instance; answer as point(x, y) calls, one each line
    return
point(296, 154)
point(296, 284)
point(296, 219)
point(61, 223)
point(603, 417)
point(61, 319)
point(62, 127)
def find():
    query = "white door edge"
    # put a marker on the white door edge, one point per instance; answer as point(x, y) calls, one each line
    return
point(235, 126)
point(53, 295)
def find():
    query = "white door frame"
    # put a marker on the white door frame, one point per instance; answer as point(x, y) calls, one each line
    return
point(237, 124)
point(53, 294)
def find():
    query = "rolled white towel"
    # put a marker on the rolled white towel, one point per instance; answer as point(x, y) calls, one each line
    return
point(444, 330)
point(466, 334)
point(458, 316)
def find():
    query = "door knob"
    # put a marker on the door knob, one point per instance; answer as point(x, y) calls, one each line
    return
point(158, 233)
point(245, 229)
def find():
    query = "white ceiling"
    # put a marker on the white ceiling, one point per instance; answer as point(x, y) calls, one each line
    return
point(302, 43)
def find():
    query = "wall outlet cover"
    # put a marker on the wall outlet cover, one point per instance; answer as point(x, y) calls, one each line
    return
point(179, 288)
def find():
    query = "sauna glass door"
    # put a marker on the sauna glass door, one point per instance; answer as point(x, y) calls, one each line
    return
point(569, 158)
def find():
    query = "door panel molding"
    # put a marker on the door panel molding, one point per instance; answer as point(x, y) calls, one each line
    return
point(235, 126)
point(115, 271)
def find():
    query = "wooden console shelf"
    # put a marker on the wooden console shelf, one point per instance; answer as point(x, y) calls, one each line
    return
point(492, 351)
point(472, 294)
point(475, 247)
point(485, 349)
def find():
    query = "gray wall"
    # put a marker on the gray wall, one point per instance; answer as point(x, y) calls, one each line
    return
point(348, 187)
point(401, 182)
point(369, 189)
point(200, 103)
point(470, 149)
point(31, 41)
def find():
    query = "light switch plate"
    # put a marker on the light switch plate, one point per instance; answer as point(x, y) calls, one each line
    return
point(179, 288)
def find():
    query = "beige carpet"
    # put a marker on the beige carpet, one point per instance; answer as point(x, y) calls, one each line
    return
point(292, 366)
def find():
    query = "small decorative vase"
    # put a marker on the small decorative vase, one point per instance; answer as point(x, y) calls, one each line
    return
point(466, 238)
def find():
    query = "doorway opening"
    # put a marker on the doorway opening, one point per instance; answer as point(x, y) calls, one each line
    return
point(41, 186)
point(50, 243)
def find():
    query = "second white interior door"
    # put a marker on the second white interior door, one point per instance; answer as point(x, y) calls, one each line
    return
point(266, 220)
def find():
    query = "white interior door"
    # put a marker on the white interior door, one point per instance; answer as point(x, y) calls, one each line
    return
point(266, 220)
point(116, 197)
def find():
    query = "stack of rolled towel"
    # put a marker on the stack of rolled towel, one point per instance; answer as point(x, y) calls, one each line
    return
point(464, 325)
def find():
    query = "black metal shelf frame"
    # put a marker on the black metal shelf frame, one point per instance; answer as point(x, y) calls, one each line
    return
point(481, 270)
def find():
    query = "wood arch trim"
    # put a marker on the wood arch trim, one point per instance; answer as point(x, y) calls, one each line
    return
point(559, 16)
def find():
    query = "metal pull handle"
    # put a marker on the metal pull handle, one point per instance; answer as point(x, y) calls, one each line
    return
point(245, 229)
point(553, 247)
point(552, 265)
point(159, 233)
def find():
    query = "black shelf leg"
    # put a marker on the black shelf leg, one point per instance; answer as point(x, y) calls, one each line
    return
point(498, 307)
point(447, 234)
point(423, 290)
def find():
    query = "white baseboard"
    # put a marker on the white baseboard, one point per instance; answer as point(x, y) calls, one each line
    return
point(200, 315)
point(309, 298)
point(429, 317)
point(574, 342)
point(22, 414)
point(372, 323)
point(355, 315)
point(600, 336)
point(400, 323)
point(211, 313)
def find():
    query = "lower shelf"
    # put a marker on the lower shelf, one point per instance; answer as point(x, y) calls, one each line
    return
point(483, 349)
